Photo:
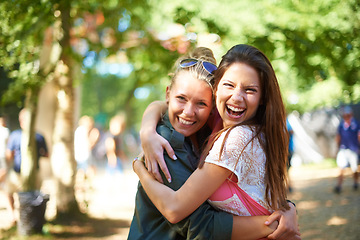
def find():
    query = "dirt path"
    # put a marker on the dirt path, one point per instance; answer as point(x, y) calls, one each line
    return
point(109, 205)
point(323, 215)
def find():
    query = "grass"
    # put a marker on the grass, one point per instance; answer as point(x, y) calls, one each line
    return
point(11, 234)
point(327, 163)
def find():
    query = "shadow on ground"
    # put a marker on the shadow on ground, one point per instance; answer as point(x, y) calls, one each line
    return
point(322, 213)
point(84, 228)
point(88, 228)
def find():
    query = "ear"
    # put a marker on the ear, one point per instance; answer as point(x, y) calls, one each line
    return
point(215, 94)
point(167, 94)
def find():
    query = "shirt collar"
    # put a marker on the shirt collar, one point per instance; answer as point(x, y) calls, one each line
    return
point(177, 139)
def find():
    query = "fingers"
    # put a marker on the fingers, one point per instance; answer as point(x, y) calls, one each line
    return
point(154, 164)
point(288, 226)
point(273, 217)
point(155, 159)
point(162, 163)
point(165, 170)
point(169, 150)
point(280, 230)
point(155, 172)
point(153, 168)
point(288, 237)
point(153, 147)
point(148, 164)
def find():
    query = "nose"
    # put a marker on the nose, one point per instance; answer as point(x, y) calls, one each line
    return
point(189, 110)
point(238, 95)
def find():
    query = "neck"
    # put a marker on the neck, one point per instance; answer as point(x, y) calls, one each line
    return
point(347, 120)
point(194, 141)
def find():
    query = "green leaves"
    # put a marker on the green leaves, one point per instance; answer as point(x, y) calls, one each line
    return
point(309, 43)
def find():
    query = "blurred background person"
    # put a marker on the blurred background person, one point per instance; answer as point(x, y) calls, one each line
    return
point(4, 135)
point(13, 156)
point(290, 152)
point(114, 143)
point(347, 138)
point(99, 150)
point(85, 138)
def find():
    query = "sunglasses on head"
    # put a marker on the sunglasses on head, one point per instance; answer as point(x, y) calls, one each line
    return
point(208, 66)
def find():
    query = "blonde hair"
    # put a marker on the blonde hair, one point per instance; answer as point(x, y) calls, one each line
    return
point(197, 70)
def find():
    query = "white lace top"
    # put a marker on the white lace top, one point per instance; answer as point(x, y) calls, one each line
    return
point(250, 169)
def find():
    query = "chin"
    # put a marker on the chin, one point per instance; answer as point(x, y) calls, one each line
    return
point(188, 133)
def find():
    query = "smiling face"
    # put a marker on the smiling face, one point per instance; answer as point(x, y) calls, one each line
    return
point(189, 103)
point(238, 94)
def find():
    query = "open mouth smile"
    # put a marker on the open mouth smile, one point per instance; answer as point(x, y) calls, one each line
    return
point(235, 111)
point(186, 122)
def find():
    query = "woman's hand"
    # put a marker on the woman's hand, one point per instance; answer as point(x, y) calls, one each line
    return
point(274, 225)
point(152, 143)
point(153, 146)
point(288, 228)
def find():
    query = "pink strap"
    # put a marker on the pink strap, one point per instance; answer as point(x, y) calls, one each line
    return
point(254, 208)
point(229, 188)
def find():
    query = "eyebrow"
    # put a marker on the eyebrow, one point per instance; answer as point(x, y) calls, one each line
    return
point(250, 85)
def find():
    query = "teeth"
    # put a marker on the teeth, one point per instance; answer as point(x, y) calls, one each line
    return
point(235, 109)
point(185, 122)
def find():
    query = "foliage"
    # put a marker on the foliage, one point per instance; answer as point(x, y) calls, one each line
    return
point(312, 45)
point(20, 44)
point(323, 50)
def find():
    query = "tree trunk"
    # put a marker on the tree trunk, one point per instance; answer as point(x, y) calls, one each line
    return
point(62, 158)
point(28, 143)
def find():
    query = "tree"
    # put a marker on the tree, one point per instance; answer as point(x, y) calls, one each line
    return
point(319, 43)
point(46, 44)
point(30, 62)
point(312, 45)
point(19, 56)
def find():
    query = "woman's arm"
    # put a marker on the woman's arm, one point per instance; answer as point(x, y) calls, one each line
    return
point(251, 227)
point(176, 205)
point(152, 143)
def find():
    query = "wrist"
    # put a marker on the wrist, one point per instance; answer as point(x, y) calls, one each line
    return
point(292, 205)
point(145, 132)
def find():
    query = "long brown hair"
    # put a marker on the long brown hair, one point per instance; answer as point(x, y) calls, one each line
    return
point(270, 121)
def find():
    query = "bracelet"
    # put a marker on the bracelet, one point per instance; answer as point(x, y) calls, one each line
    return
point(138, 158)
point(291, 202)
point(133, 162)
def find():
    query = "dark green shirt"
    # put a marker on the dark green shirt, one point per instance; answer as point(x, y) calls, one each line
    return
point(205, 223)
